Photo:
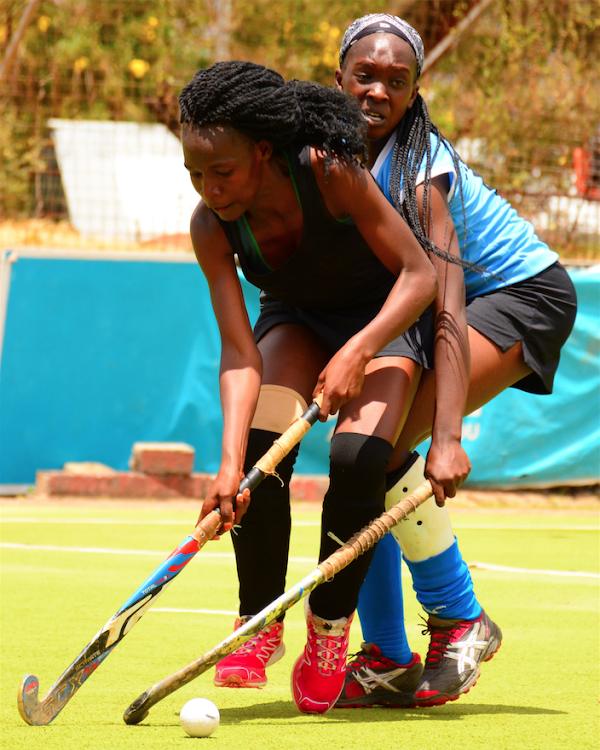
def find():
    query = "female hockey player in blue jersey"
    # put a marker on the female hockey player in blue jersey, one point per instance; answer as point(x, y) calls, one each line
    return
point(499, 321)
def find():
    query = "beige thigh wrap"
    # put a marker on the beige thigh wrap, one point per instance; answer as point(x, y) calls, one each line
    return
point(427, 532)
point(277, 408)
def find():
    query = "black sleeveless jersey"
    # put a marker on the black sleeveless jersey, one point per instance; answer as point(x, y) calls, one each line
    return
point(333, 269)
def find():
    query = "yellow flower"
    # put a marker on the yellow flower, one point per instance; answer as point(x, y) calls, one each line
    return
point(80, 64)
point(324, 26)
point(138, 68)
point(148, 31)
point(334, 32)
point(288, 26)
point(43, 23)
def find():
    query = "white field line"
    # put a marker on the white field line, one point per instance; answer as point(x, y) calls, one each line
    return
point(231, 612)
point(112, 522)
point(506, 569)
point(230, 556)
point(108, 521)
point(110, 551)
point(492, 527)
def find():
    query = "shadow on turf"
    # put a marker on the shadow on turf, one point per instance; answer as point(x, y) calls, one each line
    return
point(286, 710)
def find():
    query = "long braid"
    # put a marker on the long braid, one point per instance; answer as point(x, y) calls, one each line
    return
point(258, 102)
point(413, 144)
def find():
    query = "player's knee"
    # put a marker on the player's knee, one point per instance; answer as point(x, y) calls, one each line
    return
point(358, 464)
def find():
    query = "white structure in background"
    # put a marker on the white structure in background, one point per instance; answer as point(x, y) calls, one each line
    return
point(123, 179)
point(578, 214)
point(573, 212)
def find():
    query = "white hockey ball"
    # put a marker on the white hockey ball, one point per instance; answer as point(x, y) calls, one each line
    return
point(199, 717)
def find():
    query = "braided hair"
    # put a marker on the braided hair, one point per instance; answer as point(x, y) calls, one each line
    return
point(258, 102)
point(413, 144)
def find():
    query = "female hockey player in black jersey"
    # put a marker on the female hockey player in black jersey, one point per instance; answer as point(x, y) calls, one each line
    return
point(342, 277)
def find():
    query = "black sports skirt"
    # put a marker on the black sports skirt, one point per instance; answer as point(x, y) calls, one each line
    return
point(539, 312)
point(335, 329)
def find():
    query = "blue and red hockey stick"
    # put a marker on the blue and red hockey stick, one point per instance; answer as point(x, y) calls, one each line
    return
point(40, 712)
point(325, 571)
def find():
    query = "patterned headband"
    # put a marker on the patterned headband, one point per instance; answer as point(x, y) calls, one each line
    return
point(376, 23)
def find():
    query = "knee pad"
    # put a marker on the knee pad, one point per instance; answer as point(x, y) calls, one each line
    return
point(355, 497)
point(427, 532)
point(277, 408)
point(356, 485)
point(357, 466)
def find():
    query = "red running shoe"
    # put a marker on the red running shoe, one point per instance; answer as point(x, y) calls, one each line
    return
point(319, 673)
point(245, 667)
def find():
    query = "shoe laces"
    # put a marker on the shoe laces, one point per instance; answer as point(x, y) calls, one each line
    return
point(445, 638)
point(265, 642)
point(362, 660)
point(438, 646)
point(328, 650)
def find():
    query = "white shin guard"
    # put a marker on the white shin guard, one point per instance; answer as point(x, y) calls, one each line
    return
point(427, 532)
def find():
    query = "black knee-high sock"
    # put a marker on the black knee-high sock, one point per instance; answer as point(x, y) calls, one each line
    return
point(355, 497)
point(262, 543)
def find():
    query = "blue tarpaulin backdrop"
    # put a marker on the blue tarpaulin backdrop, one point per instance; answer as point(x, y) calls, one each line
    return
point(101, 351)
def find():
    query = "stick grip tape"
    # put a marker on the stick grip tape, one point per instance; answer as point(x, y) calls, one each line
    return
point(294, 434)
point(371, 534)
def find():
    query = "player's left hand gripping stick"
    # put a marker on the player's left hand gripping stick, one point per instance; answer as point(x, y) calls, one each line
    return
point(340, 559)
point(37, 712)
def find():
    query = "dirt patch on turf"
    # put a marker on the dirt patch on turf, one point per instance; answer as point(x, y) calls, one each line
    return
point(576, 500)
point(585, 500)
point(60, 235)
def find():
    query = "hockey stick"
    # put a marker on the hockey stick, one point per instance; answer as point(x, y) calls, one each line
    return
point(37, 712)
point(341, 558)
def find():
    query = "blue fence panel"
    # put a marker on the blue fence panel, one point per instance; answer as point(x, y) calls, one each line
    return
point(100, 353)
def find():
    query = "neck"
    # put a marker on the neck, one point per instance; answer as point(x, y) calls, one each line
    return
point(277, 196)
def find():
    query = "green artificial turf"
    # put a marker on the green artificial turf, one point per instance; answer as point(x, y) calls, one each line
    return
point(539, 692)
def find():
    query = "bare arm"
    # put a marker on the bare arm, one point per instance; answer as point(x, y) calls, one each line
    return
point(241, 364)
point(349, 190)
point(447, 463)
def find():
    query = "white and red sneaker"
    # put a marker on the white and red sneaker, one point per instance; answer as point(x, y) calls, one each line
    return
point(319, 673)
point(374, 680)
point(456, 651)
point(245, 667)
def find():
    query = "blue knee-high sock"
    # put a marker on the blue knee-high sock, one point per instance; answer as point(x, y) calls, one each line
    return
point(380, 605)
point(444, 586)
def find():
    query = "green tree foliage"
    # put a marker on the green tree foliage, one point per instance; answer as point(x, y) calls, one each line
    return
point(521, 83)
point(526, 81)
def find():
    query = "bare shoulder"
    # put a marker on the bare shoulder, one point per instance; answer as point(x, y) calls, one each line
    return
point(332, 168)
point(207, 234)
point(203, 221)
point(340, 180)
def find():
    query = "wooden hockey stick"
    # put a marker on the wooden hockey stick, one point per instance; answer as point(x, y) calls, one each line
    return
point(40, 712)
point(341, 558)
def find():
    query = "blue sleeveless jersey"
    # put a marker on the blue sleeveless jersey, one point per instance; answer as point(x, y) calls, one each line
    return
point(497, 238)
